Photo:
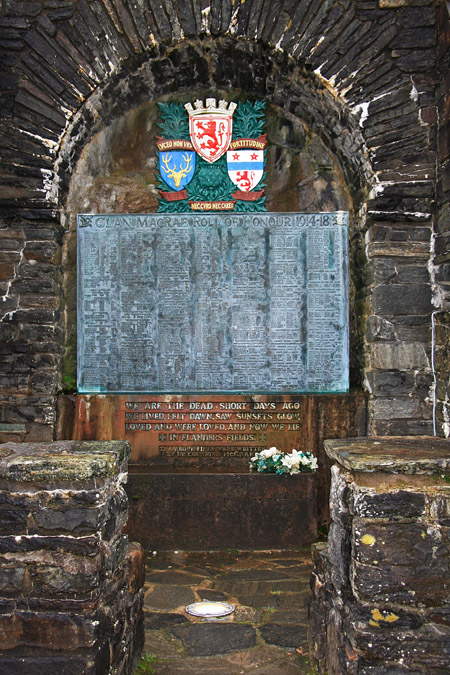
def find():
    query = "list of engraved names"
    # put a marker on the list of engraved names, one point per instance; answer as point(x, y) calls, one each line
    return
point(220, 302)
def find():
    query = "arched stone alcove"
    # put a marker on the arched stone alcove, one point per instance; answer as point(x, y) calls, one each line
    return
point(315, 161)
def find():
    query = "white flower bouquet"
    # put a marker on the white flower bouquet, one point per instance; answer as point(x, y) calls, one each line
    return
point(273, 460)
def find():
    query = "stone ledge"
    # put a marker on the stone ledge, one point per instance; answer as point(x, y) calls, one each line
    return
point(391, 454)
point(62, 461)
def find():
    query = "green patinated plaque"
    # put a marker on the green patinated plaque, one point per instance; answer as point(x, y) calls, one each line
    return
point(213, 302)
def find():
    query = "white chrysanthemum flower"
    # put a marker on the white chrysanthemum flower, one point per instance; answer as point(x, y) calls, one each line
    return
point(270, 452)
point(289, 461)
point(313, 463)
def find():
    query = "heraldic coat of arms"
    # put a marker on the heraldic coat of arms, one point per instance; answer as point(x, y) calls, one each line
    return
point(208, 150)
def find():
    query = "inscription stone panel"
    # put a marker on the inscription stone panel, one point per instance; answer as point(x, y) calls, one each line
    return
point(217, 302)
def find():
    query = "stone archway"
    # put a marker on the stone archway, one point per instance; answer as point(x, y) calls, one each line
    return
point(347, 73)
point(317, 160)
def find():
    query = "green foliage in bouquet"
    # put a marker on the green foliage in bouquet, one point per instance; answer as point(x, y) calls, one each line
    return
point(273, 460)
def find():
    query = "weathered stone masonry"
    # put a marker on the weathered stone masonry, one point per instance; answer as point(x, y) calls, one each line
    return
point(441, 244)
point(381, 584)
point(70, 593)
point(361, 74)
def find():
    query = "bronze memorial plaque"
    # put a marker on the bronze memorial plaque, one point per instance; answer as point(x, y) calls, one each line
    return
point(199, 336)
point(219, 429)
point(252, 303)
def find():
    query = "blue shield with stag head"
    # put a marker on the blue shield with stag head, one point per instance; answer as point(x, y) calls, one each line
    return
point(177, 168)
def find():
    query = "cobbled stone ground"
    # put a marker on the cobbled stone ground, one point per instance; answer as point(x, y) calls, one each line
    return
point(267, 633)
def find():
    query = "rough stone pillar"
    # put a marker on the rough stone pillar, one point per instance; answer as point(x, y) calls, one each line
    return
point(381, 585)
point(70, 584)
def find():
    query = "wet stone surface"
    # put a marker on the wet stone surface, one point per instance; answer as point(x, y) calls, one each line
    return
point(267, 633)
point(380, 585)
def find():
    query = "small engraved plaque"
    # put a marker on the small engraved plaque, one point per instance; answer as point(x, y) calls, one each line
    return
point(213, 303)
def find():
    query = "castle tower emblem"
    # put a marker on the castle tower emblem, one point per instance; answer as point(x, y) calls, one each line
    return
point(210, 127)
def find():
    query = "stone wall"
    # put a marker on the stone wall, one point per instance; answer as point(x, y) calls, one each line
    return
point(442, 239)
point(70, 592)
point(442, 242)
point(381, 585)
point(360, 74)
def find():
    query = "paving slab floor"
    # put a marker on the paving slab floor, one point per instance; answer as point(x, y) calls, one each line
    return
point(267, 632)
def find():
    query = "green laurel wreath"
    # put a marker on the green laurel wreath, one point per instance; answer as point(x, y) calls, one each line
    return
point(210, 182)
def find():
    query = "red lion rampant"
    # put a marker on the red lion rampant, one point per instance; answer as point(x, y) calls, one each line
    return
point(212, 132)
point(244, 180)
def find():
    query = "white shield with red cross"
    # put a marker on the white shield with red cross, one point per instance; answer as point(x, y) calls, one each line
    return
point(245, 168)
point(210, 128)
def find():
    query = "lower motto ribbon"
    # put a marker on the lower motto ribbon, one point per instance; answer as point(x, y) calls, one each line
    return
point(212, 206)
point(248, 196)
point(173, 196)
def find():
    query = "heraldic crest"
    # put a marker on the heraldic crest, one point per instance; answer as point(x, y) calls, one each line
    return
point(211, 156)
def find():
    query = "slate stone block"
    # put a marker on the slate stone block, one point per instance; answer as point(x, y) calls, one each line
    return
point(396, 504)
point(114, 552)
point(379, 328)
point(12, 520)
point(21, 9)
point(413, 17)
point(341, 499)
point(381, 618)
point(283, 635)
point(402, 299)
point(399, 356)
point(439, 615)
point(404, 544)
point(11, 580)
point(414, 36)
point(415, 60)
point(391, 382)
point(412, 328)
point(425, 648)
point(68, 520)
point(168, 598)
point(319, 608)
point(55, 570)
point(394, 408)
point(43, 664)
point(413, 273)
point(161, 620)
point(51, 631)
point(339, 555)
point(338, 645)
point(440, 508)
point(400, 584)
point(66, 461)
point(211, 639)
